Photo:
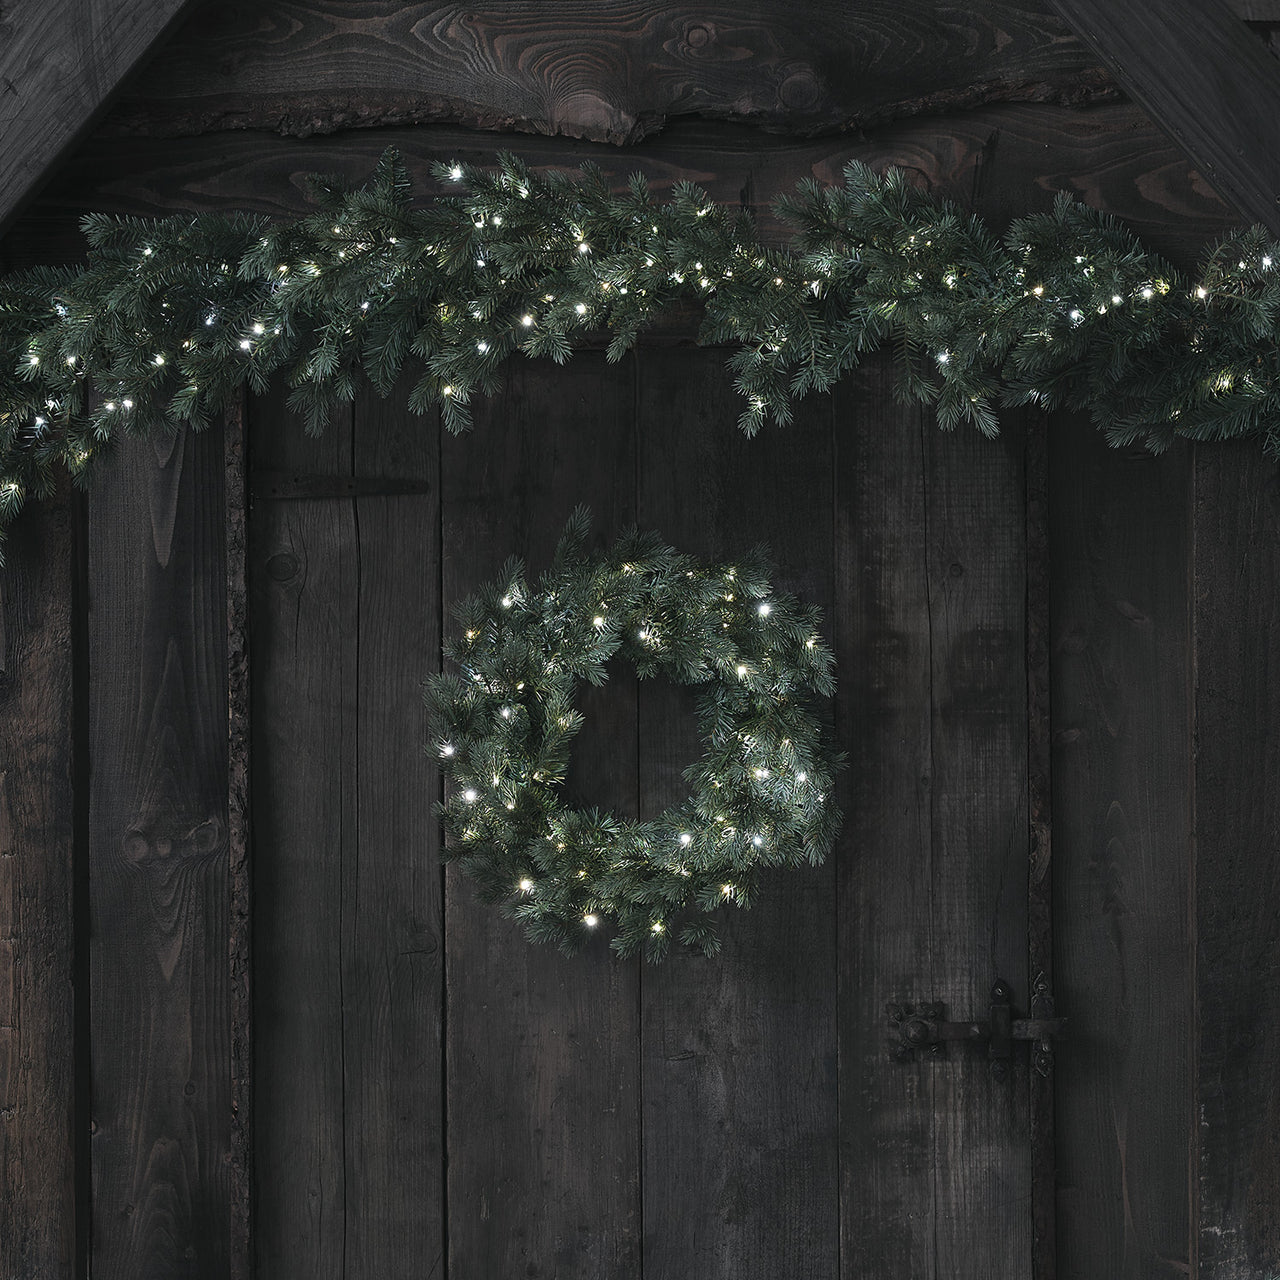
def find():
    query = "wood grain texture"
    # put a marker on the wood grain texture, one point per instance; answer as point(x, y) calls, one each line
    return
point(1004, 162)
point(612, 71)
point(239, 835)
point(38, 1106)
point(1204, 79)
point(349, 1140)
point(739, 1051)
point(1237, 881)
point(935, 1153)
point(1120, 541)
point(543, 1071)
point(60, 63)
point(158, 861)
point(886, 852)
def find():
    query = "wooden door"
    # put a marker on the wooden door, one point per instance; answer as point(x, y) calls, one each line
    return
point(741, 1116)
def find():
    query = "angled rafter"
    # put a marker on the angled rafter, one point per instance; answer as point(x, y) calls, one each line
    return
point(60, 62)
point(1206, 80)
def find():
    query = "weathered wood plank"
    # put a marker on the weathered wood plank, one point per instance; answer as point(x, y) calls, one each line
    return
point(239, 823)
point(1237, 875)
point(739, 1051)
point(1205, 80)
point(544, 1090)
point(38, 1106)
point(1122, 783)
point(1111, 157)
point(304, 577)
point(885, 858)
point(158, 861)
point(60, 63)
point(349, 1009)
point(935, 1153)
point(393, 941)
point(974, 548)
point(609, 70)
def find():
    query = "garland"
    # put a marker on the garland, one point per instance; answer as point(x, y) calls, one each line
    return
point(506, 720)
point(169, 319)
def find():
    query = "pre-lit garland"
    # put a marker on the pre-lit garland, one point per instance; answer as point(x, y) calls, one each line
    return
point(505, 722)
point(170, 318)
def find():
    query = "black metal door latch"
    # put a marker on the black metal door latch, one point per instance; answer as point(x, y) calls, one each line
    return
point(924, 1027)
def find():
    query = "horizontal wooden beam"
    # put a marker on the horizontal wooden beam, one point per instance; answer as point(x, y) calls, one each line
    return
point(1206, 80)
point(610, 70)
point(60, 63)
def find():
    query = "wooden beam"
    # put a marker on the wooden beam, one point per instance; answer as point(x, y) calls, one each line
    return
point(60, 63)
point(1206, 81)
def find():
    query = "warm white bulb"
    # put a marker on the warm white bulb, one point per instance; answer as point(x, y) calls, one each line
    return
point(470, 795)
point(527, 321)
point(506, 602)
point(584, 247)
point(742, 671)
point(590, 920)
point(526, 885)
point(581, 308)
point(657, 926)
point(597, 621)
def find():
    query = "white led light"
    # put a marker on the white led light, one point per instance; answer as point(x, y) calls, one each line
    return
point(590, 920)
point(686, 839)
point(526, 885)
point(742, 671)
point(527, 321)
point(456, 173)
point(765, 609)
point(470, 795)
point(802, 777)
point(447, 749)
point(581, 308)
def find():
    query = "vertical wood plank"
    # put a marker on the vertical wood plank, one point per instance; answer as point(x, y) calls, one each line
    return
point(38, 1107)
point(739, 1051)
point(303, 578)
point(935, 1156)
point(1122, 757)
point(543, 1119)
point(885, 856)
point(393, 953)
point(975, 550)
point(239, 818)
point(158, 861)
point(1237, 875)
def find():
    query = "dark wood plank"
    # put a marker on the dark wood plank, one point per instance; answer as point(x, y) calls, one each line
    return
point(933, 891)
point(1112, 157)
point(739, 1051)
point(347, 610)
point(1237, 875)
point(974, 548)
point(885, 858)
point(239, 823)
point(38, 1106)
point(1122, 782)
point(393, 941)
point(544, 1089)
point(304, 577)
point(158, 861)
point(610, 70)
point(1205, 80)
point(60, 63)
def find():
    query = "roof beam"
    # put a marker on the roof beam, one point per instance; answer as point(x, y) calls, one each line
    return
point(1205, 80)
point(60, 62)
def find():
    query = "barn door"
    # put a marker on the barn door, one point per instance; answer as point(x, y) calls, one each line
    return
point(428, 1084)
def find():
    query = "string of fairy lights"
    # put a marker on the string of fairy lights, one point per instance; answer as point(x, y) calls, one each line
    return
point(169, 320)
point(505, 720)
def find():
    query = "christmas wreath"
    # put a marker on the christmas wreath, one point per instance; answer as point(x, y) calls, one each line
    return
point(505, 721)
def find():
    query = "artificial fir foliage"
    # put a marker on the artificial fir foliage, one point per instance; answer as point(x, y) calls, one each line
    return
point(169, 319)
point(505, 722)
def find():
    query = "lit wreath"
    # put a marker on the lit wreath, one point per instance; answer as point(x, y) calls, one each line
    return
point(760, 794)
